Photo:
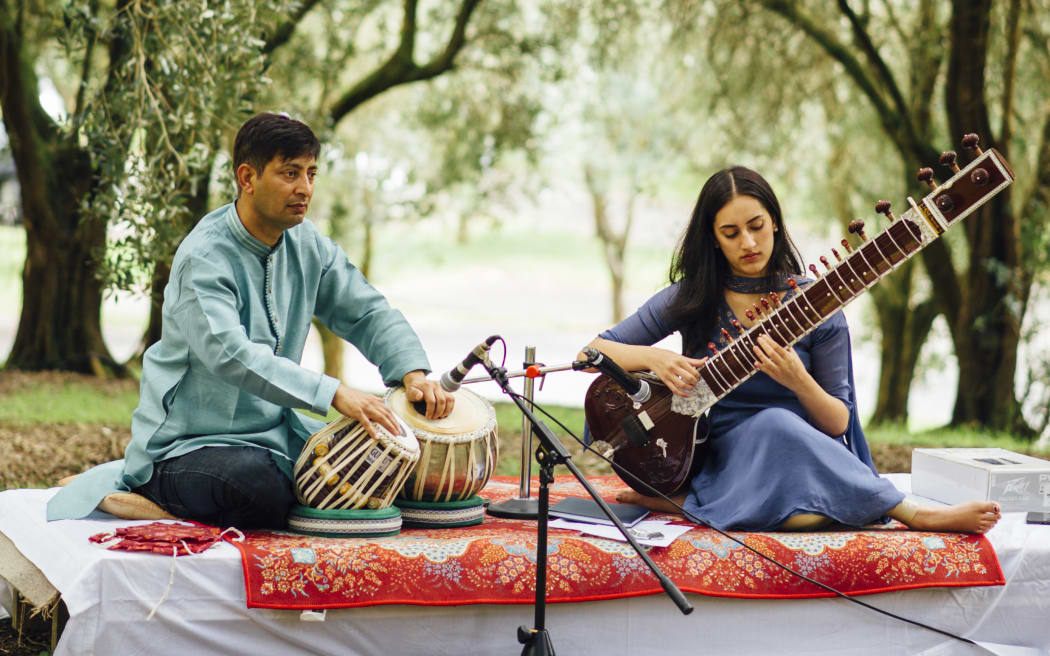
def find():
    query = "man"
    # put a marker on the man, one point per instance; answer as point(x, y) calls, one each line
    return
point(214, 437)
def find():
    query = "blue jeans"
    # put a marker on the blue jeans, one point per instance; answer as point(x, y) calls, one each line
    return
point(223, 486)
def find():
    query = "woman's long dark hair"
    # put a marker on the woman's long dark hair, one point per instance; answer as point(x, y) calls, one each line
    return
point(702, 269)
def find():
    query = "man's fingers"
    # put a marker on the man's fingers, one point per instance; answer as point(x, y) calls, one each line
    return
point(442, 405)
point(386, 418)
point(367, 425)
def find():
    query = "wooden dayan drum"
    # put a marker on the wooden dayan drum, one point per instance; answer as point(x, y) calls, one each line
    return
point(342, 467)
point(457, 453)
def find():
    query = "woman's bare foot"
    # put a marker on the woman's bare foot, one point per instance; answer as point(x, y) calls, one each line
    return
point(970, 517)
point(652, 503)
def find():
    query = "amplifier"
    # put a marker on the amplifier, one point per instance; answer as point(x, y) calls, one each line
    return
point(1016, 481)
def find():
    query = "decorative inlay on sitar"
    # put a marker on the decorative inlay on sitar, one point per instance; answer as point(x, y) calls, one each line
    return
point(786, 322)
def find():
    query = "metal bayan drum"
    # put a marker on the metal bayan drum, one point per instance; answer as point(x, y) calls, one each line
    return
point(343, 467)
point(457, 452)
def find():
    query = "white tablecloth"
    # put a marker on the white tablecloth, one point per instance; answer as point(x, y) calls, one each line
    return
point(109, 595)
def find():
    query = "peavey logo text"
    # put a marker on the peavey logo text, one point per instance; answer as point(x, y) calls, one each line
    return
point(1016, 489)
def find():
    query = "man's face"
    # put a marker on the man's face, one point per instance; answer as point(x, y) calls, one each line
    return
point(280, 195)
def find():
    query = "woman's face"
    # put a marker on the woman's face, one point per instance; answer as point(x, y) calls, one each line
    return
point(744, 231)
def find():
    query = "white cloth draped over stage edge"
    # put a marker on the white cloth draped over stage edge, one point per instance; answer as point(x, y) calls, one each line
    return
point(109, 595)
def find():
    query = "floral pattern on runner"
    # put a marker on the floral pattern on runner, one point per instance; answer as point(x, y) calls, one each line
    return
point(495, 562)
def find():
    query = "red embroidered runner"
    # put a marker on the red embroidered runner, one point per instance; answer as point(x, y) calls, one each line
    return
point(495, 563)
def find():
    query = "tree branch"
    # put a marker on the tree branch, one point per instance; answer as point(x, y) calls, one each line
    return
point(864, 41)
point(400, 67)
point(840, 53)
point(285, 30)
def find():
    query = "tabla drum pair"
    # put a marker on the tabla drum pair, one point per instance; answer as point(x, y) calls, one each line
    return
point(347, 480)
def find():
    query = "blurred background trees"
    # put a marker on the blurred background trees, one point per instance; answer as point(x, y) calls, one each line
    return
point(469, 111)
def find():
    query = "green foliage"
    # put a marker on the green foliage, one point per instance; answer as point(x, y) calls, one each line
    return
point(455, 145)
point(180, 76)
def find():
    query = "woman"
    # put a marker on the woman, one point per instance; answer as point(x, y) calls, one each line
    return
point(786, 449)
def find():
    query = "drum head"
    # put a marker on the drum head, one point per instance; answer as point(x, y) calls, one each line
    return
point(471, 415)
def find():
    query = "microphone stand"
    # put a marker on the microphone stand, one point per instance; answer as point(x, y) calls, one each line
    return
point(549, 453)
point(524, 506)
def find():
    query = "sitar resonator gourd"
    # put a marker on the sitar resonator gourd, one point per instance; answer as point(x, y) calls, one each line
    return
point(859, 268)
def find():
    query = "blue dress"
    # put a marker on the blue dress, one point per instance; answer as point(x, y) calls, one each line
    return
point(766, 462)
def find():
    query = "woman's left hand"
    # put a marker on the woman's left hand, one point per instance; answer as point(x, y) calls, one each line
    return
point(781, 363)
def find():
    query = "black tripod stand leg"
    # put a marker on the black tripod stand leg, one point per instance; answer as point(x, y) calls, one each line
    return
point(537, 642)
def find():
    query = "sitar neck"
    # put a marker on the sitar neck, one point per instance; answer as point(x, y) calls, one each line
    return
point(851, 275)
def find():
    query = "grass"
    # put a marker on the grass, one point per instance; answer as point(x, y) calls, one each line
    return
point(85, 402)
point(69, 403)
point(949, 437)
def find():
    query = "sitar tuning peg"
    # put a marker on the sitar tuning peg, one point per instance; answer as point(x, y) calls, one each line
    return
point(813, 270)
point(775, 299)
point(750, 315)
point(857, 228)
point(970, 141)
point(824, 261)
point(726, 336)
point(765, 306)
point(739, 328)
point(711, 347)
point(925, 174)
point(883, 207)
point(845, 244)
point(948, 159)
point(836, 254)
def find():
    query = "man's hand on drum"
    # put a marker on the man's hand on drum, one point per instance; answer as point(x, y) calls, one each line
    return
point(676, 371)
point(418, 388)
point(365, 408)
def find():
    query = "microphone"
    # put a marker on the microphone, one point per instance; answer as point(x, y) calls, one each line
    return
point(638, 390)
point(452, 379)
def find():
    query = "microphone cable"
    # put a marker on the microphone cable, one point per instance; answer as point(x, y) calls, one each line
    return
point(696, 520)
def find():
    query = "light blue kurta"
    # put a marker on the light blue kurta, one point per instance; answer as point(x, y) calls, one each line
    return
point(226, 370)
point(765, 461)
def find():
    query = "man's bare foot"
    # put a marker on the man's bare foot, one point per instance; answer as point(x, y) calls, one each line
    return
point(970, 517)
point(128, 505)
point(652, 503)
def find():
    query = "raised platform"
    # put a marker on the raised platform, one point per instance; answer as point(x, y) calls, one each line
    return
point(110, 594)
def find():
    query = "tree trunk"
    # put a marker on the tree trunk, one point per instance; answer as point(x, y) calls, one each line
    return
point(332, 349)
point(60, 324)
point(614, 246)
point(904, 330)
point(986, 329)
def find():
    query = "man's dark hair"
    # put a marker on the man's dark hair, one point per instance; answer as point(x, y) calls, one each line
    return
point(265, 136)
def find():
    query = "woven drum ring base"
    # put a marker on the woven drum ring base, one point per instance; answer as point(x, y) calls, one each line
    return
point(442, 514)
point(362, 523)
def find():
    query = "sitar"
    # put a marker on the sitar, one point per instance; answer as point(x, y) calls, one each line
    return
point(663, 440)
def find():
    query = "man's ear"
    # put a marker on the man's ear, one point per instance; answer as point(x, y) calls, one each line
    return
point(246, 177)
